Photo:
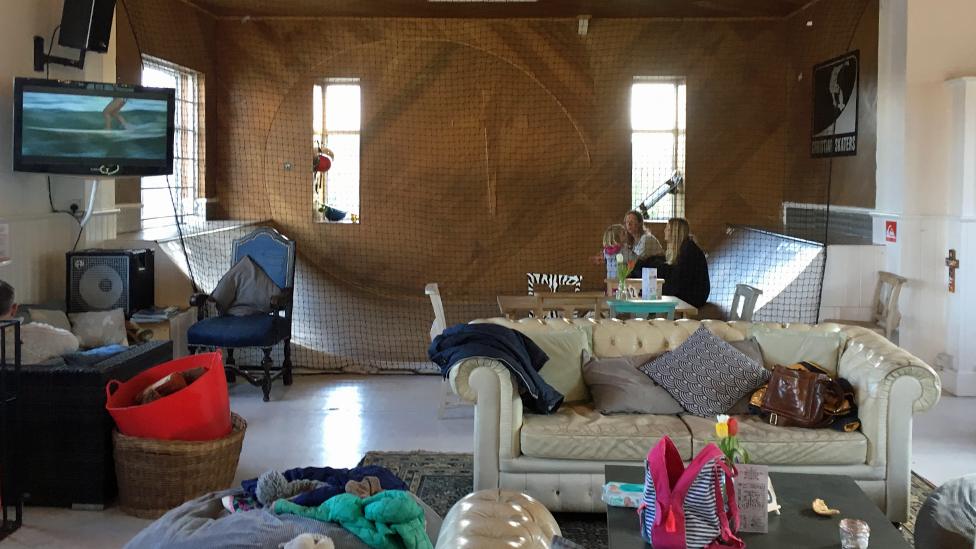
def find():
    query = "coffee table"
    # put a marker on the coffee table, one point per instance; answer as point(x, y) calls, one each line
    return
point(797, 526)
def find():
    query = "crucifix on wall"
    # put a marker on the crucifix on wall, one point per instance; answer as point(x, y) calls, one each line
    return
point(953, 263)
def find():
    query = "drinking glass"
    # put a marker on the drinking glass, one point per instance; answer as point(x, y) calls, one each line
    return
point(854, 534)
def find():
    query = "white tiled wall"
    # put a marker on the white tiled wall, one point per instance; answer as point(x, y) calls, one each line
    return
point(849, 281)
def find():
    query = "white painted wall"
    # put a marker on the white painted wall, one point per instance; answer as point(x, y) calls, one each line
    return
point(923, 44)
point(849, 281)
point(39, 238)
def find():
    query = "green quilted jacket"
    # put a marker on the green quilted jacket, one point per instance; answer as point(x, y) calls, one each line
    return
point(391, 519)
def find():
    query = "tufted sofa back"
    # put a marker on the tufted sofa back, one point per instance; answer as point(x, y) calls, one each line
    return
point(616, 338)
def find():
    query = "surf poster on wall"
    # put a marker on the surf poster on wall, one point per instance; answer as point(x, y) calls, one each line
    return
point(835, 94)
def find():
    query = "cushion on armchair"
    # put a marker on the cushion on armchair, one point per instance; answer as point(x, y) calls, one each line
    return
point(259, 330)
point(245, 290)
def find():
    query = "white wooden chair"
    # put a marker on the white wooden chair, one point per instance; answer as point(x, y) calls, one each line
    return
point(885, 315)
point(744, 302)
point(448, 398)
point(440, 320)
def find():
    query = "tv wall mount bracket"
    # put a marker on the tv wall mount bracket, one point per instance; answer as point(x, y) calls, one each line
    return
point(42, 59)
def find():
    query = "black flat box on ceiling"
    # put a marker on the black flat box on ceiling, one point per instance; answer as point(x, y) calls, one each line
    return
point(102, 280)
point(87, 24)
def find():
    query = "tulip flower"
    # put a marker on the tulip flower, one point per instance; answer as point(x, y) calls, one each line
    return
point(726, 429)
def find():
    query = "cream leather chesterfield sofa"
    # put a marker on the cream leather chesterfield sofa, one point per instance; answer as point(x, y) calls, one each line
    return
point(559, 459)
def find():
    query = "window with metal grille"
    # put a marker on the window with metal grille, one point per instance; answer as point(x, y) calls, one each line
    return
point(182, 189)
point(657, 121)
point(336, 119)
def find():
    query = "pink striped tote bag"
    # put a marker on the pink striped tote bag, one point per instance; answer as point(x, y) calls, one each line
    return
point(687, 507)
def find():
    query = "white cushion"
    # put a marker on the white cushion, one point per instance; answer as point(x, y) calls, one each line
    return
point(785, 347)
point(564, 369)
point(577, 431)
point(41, 342)
point(771, 445)
point(51, 317)
point(99, 328)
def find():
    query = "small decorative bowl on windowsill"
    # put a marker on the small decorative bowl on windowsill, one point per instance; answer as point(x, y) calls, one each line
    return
point(332, 214)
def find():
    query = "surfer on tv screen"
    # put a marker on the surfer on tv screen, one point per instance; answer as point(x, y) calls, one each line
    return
point(112, 111)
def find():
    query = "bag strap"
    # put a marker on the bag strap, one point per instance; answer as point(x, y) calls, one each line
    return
point(727, 535)
point(661, 460)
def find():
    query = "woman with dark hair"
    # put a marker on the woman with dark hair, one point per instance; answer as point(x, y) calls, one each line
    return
point(685, 272)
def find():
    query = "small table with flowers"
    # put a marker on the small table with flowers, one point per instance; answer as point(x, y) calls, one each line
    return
point(666, 305)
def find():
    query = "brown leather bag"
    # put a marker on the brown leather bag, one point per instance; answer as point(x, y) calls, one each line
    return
point(801, 398)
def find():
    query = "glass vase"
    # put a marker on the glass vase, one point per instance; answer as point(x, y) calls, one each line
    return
point(622, 291)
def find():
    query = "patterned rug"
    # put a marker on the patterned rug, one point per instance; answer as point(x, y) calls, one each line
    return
point(440, 479)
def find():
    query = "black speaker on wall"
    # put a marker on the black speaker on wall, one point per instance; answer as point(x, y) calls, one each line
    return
point(102, 280)
point(87, 24)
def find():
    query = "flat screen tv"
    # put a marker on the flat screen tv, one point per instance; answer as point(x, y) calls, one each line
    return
point(92, 128)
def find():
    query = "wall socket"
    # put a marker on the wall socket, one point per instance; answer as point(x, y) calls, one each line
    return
point(944, 361)
point(68, 191)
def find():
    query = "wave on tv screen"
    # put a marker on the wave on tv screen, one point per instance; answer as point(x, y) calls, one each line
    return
point(58, 125)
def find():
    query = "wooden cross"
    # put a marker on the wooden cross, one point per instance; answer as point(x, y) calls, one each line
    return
point(953, 263)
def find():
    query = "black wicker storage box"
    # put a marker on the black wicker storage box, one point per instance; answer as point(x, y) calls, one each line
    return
point(66, 431)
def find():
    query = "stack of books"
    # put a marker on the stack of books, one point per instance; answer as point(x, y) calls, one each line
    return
point(154, 314)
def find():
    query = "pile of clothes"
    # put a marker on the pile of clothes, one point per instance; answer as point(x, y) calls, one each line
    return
point(369, 501)
point(303, 508)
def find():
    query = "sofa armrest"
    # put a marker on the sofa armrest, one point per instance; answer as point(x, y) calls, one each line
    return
point(497, 415)
point(872, 364)
point(890, 385)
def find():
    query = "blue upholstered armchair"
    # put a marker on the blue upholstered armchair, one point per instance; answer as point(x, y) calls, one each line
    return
point(275, 254)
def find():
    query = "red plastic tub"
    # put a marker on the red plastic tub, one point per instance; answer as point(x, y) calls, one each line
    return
point(201, 411)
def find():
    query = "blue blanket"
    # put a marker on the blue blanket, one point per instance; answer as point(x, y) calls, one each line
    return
point(93, 356)
point(335, 482)
point(512, 348)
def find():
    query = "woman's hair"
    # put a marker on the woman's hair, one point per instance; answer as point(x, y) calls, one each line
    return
point(640, 219)
point(676, 232)
point(614, 235)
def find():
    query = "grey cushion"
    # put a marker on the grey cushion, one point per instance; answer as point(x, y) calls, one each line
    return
point(245, 290)
point(706, 374)
point(750, 348)
point(741, 407)
point(947, 520)
point(618, 387)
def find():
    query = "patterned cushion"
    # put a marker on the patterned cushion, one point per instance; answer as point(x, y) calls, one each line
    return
point(706, 374)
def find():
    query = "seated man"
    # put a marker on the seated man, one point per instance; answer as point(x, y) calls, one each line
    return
point(39, 342)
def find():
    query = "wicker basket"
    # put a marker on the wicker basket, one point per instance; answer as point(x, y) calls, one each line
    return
point(156, 475)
